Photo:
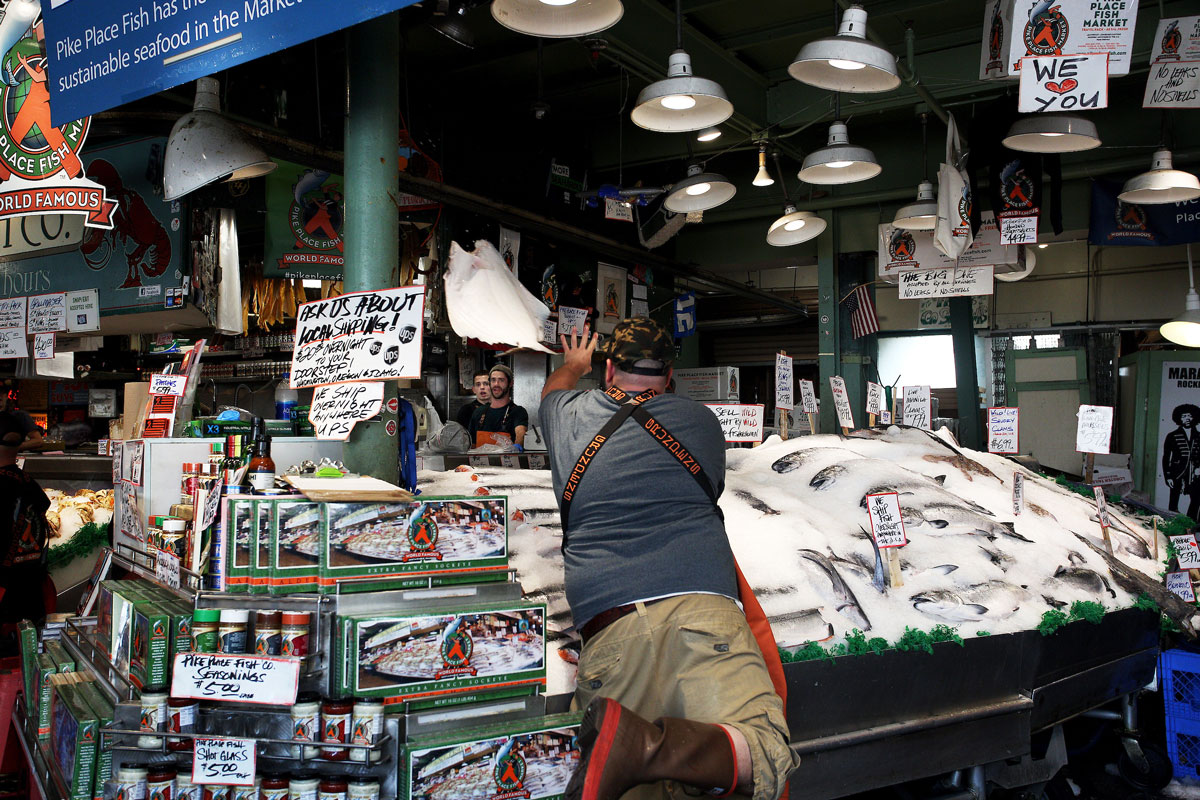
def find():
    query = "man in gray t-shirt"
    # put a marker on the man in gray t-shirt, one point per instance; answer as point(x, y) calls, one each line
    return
point(652, 586)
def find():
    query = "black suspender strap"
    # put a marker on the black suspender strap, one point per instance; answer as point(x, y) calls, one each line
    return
point(676, 448)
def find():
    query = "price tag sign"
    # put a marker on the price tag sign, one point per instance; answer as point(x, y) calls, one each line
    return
point(1003, 429)
point(511, 462)
point(808, 397)
point(918, 406)
point(1101, 506)
point(537, 460)
point(783, 382)
point(1187, 551)
point(477, 461)
point(1094, 429)
point(212, 506)
point(571, 320)
point(874, 398)
point(166, 568)
point(225, 762)
point(118, 450)
point(885, 417)
point(168, 385)
point(887, 526)
point(1018, 493)
point(1180, 583)
point(261, 680)
point(43, 346)
point(1019, 230)
point(841, 402)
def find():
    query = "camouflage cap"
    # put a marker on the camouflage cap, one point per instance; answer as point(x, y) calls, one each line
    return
point(640, 340)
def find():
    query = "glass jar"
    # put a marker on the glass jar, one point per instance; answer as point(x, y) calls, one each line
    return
point(303, 786)
point(154, 716)
point(267, 633)
point(182, 714)
point(333, 789)
point(294, 633)
point(205, 624)
point(363, 789)
point(160, 783)
point(273, 787)
point(366, 727)
point(231, 636)
point(306, 724)
point(131, 782)
point(335, 727)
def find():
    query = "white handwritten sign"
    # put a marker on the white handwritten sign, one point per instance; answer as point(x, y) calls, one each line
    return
point(43, 346)
point(1063, 83)
point(887, 525)
point(1019, 229)
point(808, 397)
point(359, 336)
point(1186, 551)
point(211, 507)
point(225, 762)
point(47, 313)
point(477, 461)
point(1003, 429)
point(1180, 583)
point(12, 312)
point(263, 680)
point(918, 407)
point(1101, 507)
point(885, 417)
point(1018, 493)
point(537, 460)
point(510, 461)
point(571, 320)
point(874, 398)
point(168, 385)
point(841, 401)
point(916, 284)
point(1173, 86)
point(335, 410)
point(12, 343)
point(549, 333)
point(1094, 429)
point(137, 451)
point(83, 310)
point(117, 450)
point(740, 422)
point(166, 568)
point(783, 382)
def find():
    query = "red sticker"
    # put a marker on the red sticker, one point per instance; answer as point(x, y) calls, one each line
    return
point(390, 427)
point(393, 405)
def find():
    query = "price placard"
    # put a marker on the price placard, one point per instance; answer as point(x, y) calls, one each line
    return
point(1018, 493)
point(1002, 425)
point(1019, 229)
point(477, 461)
point(511, 462)
point(168, 385)
point(808, 397)
point(211, 507)
point(783, 382)
point(1187, 551)
point(918, 406)
point(166, 568)
point(1101, 506)
point(43, 346)
point(841, 401)
point(1180, 583)
point(874, 398)
point(261, 680)
point(1094, 429)
point(537, 460)
point(224, 762)
point(887, 526)
point(571, 320)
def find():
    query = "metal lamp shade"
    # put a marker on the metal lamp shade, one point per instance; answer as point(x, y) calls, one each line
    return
point(204, 148)
point(839, 162)
point(1016, 275)
point(719, 190)
point(921, 215)
point(846, 62)
point(1184, 329)
point(709, 104)
point(794, 227)
point(1052, 133)
point(557, 20)
point(1162, 184)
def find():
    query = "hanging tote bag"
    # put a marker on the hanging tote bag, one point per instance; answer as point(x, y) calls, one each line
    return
point(953, 232)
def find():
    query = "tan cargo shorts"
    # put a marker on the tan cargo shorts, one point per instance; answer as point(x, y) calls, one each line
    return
point(692, 657)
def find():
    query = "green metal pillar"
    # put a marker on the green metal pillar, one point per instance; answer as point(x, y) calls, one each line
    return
point(372, 226)
point(962, 329)
point(828, 349)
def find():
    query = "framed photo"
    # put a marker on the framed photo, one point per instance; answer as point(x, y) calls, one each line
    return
point(611, 305)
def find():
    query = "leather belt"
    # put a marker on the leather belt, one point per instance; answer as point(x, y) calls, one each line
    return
point(606, 618)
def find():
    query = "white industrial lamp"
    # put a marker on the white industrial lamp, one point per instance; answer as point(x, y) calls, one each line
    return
point(794, 226)
point(1052, 133)
point(839, 161)
point(699, 191)
point(1185, 329)
point(557, 19)
point(762, 177)
point(204, 148)
point(709, 134)
point(846, 62)
point(921, 215)
point(1162, 184)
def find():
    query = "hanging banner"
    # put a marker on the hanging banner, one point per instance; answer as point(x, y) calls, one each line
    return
point(901, 249)
point(1173, 85)
point(1176, 39)
point(1117, 223)
point(685, 315)
point(1015, 29)
point(1063, 83)
point(916, 284)
point(509, 247)
point(1178, 458)
point(305, 214)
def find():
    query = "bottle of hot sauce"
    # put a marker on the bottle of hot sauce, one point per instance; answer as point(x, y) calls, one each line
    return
point(261, 472)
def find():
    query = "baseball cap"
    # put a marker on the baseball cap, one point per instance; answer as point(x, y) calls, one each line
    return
point(640, 346)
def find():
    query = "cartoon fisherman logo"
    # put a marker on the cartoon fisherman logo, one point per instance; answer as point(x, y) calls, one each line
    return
point(1046, 31)
point(508, 771)
point(457, 646)
point(996, 39)
point(422, 531)
point(550, 288)
point(1172, 39)
point(1016, 188)
point(1130, 217)
point(964, 206)
point(901, 246)
point(316, 213)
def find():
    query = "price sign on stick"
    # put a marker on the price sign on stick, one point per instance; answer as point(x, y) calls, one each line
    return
point(841, 402)
point(1018, 494)
point(166, 568)
point(262, 680)
point(225, 762)
point(783, 382)
point(808, 397)
point(1002, 425)
point(918, 407)
point(874, 398)
point(1094, 429)
point(1187, 551)
point(1180, 583)
point(887, 525)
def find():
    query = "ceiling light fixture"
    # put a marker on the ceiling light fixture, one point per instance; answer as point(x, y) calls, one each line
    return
point(204, 147)
point(846, 62)
point(681, 102)
point(1185, 329)
point(839, 161)
point(699, 191)
point(1052, 133)
point(557, 19)
point(709, 134)
point(794, 226)
point(1162, 184)
point(921, 215)
point(762, 177)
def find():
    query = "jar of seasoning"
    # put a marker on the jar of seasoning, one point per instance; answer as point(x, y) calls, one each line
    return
point(131, 783)
point(160, 783)
point(273, 787)
point(267, 633)
point(363, 789)
point(333, 789)
point(205, 622)
point(182, 714)
point(188, 482)
point(247, 792)
point(215, 792)
point(306, 725)
point(303, 786)
point(174, 532)
point(366, 727)
point(231, 636)
point(154, 716)
point(186, 790)
point(335, 727)
point(294, 632)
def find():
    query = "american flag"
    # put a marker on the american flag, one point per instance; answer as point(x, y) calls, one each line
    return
point(862, 312)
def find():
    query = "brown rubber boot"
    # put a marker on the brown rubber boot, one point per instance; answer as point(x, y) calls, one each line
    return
point(621, 750)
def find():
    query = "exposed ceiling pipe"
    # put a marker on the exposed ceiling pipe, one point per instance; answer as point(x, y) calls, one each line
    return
point(758, 321)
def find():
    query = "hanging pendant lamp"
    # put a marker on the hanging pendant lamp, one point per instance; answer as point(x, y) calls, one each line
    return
point(921, 215)
point(1162, 184)
point(1185, 329)
point(794, 226)
point(557, 19)
point(699, 191)
point(846, 62)
point(762, 177)
point(839, 161)
point(709, 134)
point(1052, 133)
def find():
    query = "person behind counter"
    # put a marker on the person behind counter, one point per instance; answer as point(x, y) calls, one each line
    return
point(482, 387)
point(502, 421)
point(23, 527)
point(30, 432)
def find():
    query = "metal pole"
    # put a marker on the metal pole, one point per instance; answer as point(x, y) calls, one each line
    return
point(372, 226)
point(828, 347)
point(962, 328)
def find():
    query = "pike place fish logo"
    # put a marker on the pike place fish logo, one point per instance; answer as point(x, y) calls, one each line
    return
point(316, 213)
point(550, 288)
point(508, 773)
point(1131, 217)
point(423, 533)
point(901, 246)
point(964, 206)
point(1046, 31)
point(1171, 41)
point(457, 649)
point(996, 39)
point(1016, 188)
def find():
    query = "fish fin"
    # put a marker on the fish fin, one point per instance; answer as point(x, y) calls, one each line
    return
point(941, 479)
point(1011, 527)
point(1050, 601)
point(976, 608)
point(946, 569)
point(1058, 573)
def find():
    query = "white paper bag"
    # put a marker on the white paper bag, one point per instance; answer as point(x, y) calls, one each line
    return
point(953, 232)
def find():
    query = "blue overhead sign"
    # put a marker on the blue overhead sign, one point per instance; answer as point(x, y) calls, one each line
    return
point(105, 53)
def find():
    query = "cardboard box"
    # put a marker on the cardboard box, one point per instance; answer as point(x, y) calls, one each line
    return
point(260, 568)
point(181, 629)
point(104, 711)
point(150, 651)
point(406, 657)
point(709, 384)
point(29, 658)
point(46, 670)
point(74, 731)
point(295, 546)
point(391, 544)
point(136, 395)
point(527, 758)
point(64, 660)
point(238, 525)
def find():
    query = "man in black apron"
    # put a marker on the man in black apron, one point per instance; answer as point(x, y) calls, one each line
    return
point(652, 585)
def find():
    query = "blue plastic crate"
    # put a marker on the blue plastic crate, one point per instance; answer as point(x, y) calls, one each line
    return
point(1180, 675)
point(1183, 746)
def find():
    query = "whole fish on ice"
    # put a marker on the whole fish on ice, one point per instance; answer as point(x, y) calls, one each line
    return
point(485, 301)
point(832, 586)
point(993, 599)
